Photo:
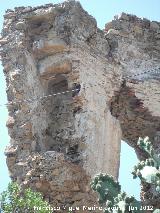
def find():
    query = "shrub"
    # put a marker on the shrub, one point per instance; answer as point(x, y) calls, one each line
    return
point(17, 201)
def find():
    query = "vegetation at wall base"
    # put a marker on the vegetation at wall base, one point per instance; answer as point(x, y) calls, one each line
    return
point(109, 190)
point(16, 200)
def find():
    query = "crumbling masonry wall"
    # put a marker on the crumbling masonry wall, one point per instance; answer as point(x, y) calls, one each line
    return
point(58, 142)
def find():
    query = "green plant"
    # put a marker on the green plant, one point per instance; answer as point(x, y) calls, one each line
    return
point(110, 195)
point(157, 211)
point(106, 187)
point(148, 170)
point(109, 190)
point(17, 201)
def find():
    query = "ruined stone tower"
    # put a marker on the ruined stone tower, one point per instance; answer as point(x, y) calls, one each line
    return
point(74, 92)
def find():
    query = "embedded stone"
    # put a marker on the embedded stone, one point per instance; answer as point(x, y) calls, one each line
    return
point(38, 185)
point(43, 186)
point(76, 187)
point(11, 150)
point(21, 26)
point(78, 196)
point(18, 96)
point(54, 68)
point(113, 31)
point(4, 41)
point(43, 48)
point(15, 75)
point(26, 146)
point(117, 33)
point(124, 16)
point(55, 172)
point(154, 26)
point(10, 161)
point(29, 173)
point(108, 26)
point(138, 30)
point(9, 15)
point(25, 108)
point(26, 132)
point(10, 122)
point(7, 67)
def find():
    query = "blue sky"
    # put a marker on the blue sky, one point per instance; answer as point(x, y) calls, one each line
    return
point(103, 11)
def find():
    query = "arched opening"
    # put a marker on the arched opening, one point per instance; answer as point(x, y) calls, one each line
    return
point(128, 159)
point(136, 121)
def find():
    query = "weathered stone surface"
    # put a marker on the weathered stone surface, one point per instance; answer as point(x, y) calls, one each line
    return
point(154, 26)
point(20, 25)
point(10, 122)
point(43, 48)
point(63, 140)
point(3, 41)
point(51, 67)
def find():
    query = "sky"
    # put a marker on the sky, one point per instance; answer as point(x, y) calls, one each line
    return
point(103, 11)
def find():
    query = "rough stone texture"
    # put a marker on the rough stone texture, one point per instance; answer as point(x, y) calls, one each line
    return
point(59, 142)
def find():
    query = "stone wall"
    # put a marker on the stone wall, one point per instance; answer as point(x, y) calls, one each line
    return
point(135, 46)
point(58, 142)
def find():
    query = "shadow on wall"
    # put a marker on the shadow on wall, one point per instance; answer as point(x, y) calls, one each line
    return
point(128, 159)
